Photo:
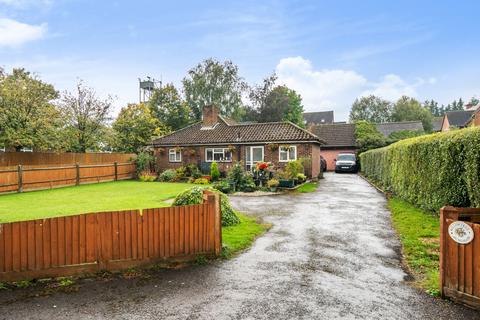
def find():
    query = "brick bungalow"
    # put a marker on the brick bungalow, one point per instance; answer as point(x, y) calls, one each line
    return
point(220, 139)
point(339, 138)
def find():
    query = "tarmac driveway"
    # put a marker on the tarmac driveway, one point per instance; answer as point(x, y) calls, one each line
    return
point(331, 254)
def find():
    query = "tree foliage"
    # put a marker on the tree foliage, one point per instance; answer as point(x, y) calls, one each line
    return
point(409, 109)
point(367, 136)
point(275, 103)
point(438, 111)
point(28, 117)
point(212, 82)
point(169, 108)
point(372, 109)
point(86, 117)
point(135, 127)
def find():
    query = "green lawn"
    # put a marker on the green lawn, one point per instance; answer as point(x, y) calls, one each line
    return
point(120, 195)
point(420, 236)
point(308, 187)
point(241, 236)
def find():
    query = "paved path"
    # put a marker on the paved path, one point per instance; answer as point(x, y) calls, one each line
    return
point(330, 255)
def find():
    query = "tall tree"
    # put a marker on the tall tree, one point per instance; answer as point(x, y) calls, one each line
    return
point(282, 104)
point(409, 109)
point(27, 116)
point(135, 127)
point(258, 96)
point(372, 109)
point(86, 117)
point(214, 83)
point(169, 108)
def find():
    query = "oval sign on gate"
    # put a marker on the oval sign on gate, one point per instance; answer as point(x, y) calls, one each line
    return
point(460, 232)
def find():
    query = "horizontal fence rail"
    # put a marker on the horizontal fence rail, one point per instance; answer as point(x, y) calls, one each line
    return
point(29, 178)
point(109, 240)
point(460, 263)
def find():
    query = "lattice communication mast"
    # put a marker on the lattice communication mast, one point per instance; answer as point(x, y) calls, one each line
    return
point(146, 88)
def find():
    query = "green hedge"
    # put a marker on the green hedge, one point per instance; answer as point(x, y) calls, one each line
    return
point(430, 171)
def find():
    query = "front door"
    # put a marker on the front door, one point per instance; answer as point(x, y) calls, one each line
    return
point(253, 155)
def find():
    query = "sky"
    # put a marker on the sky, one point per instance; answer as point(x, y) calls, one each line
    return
point(331, 52)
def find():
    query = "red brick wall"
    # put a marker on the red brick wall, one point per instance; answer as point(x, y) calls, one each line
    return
point(331, 154)
point(303, 151)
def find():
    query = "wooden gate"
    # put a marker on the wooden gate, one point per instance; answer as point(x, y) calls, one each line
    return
point(460, 263)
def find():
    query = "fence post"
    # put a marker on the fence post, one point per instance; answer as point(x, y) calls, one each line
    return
point(20, 178)
point(77, 168)
point(115, 164)
point(213, 198)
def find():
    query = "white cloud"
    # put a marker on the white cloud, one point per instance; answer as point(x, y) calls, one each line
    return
point(337, 89)
point(14, 33)
point(23, 4)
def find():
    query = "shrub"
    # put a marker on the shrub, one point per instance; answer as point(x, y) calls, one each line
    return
point(201, 181)
point(192, 170)
point(146, 177)
point(180, 173)
point(144, 162)
point(301, 177)
point(236, 173)
point(195, 196)
point(273, 183)
point(293, 168)
point(367, 136)
point(222, 186)
point(168, 175)
point(430, 171)
point(214, 172)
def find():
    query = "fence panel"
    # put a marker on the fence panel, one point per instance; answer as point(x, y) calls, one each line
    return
point(460, 263)
point(46, 159)
point(108, 240)
point(35, 178)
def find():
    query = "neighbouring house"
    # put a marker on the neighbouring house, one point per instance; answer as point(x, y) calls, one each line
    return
point(317, 118)
point(437, 124)
point(224, 141)
point(388, 128)
point(475, 118)
point(456, 119)
point(339, 138)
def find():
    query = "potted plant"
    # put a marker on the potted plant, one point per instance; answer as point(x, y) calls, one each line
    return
point(272, 147)
point(301, 178)
point(273, 184)
point(285, 181)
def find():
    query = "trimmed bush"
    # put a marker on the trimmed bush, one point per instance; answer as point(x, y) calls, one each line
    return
point(214, 172)
point(168, 175)
point(201, 181)
point(430, 171)
point(195, 196)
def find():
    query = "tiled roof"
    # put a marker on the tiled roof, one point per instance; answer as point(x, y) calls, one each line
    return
point(389, 127)
point(321, 117)
point(225, 133)
point(336, 135)
point(437, 124)
point(459, 118)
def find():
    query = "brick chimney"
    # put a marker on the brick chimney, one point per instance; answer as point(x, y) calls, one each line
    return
point(210, 116)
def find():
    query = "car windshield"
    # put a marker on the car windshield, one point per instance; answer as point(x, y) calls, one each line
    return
point(346, 157)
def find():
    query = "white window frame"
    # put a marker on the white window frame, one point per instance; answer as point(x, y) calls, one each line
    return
point(175, 153)
point(280, 151)
point(2, 149)
point(27, 149)
point(217, 152)
point(249, 163)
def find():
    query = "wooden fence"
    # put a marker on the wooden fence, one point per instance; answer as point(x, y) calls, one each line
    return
point(92, 242)
point(29, 178)
point(460, 263)
point(44, 159)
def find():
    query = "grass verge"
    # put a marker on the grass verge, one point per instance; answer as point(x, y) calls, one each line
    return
point(419, 233)
point(241, 236)
point(307, 187)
